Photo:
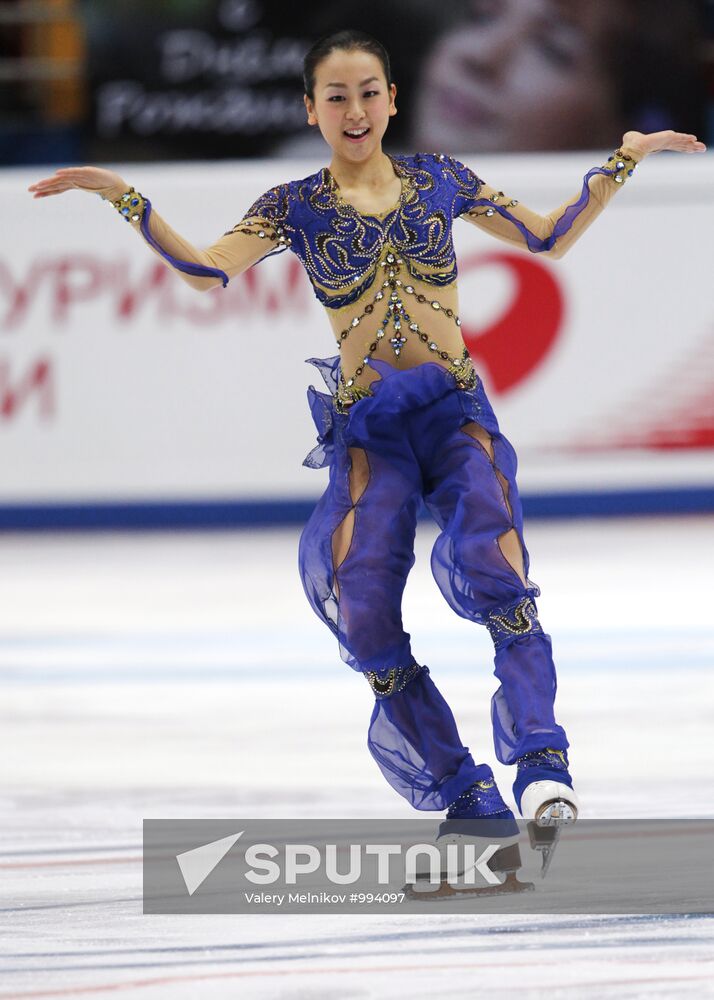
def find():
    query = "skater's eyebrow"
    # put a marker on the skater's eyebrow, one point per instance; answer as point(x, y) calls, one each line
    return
point(363, 83)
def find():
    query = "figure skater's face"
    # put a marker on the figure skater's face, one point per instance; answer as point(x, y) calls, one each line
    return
point(520, 75)
point(353, 103)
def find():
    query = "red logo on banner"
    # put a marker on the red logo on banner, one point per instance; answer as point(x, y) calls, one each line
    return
point(35, 380)
point(513, 347)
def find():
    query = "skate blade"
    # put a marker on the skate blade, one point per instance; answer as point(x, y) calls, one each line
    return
point(510, 886)
point(544, 831)
point(557, 812)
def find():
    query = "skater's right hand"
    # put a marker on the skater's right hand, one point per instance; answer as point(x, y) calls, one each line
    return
point(93, 179)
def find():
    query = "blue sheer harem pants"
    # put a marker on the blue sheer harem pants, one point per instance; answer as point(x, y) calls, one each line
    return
point(419, 439)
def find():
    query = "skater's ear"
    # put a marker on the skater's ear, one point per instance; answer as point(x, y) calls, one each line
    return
point(310, 108)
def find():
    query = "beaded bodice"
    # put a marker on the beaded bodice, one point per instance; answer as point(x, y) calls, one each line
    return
point(377, 274)
point(341, 249)
point(388, 281)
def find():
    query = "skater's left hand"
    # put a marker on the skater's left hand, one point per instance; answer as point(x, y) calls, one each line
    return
point(653, 142)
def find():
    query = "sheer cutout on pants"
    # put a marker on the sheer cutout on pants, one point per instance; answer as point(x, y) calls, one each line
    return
point(509, 541)
point(359, 473)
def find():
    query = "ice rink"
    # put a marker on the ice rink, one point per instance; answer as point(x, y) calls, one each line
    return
point(168, 674)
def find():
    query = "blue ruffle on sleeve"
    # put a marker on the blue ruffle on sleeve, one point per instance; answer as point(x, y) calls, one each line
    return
point(562, 225)
point(200, 270)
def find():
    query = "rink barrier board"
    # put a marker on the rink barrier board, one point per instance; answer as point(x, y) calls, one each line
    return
point(283, 513)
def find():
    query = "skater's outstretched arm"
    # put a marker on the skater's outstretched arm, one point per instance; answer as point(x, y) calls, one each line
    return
point(233, 253)
point(553, 234)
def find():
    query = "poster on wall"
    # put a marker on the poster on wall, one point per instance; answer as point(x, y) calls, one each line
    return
point(220, 79)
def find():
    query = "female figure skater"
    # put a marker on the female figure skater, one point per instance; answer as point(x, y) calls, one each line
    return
point(406, 418)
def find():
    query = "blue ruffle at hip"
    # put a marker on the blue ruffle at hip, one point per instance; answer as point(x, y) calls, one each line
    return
point(397, 391)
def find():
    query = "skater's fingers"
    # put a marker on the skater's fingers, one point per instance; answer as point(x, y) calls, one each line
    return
point(53, 183)
point(82, 178)
point(56, 185)
point(50, 182)
point(39, 185)
point(686, 142)
point(48, 189)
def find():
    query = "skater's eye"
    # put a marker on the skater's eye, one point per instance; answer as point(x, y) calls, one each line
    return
point(340, 97)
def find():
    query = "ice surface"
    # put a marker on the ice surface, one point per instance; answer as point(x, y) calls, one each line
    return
point(158, 675)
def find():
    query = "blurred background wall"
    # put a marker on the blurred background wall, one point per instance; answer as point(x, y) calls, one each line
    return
point(90, 80)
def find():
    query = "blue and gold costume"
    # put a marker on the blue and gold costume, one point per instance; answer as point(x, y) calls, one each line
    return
point(406, 407)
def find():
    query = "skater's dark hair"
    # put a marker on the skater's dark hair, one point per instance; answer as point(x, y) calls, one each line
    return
point(348, 40)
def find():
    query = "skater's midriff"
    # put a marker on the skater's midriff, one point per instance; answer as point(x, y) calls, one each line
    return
point(402, 320)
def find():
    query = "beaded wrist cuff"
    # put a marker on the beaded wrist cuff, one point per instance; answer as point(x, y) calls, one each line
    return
point(621, 164)
point(129, 205)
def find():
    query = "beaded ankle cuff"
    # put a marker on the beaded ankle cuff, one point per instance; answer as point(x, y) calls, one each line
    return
point(481, 799)
point(556, 759)
point(385, 683)
point(513, 622)
point(129, 205)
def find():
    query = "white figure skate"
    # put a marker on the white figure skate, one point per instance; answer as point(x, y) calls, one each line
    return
point(549, 805)
point(478, 821)
point(547, 800)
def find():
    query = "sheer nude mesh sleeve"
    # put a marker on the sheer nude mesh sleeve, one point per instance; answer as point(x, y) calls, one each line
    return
point(553, 234)
point(250, 240)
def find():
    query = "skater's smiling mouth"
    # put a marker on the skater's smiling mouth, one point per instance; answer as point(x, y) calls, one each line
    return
point(358, 134)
